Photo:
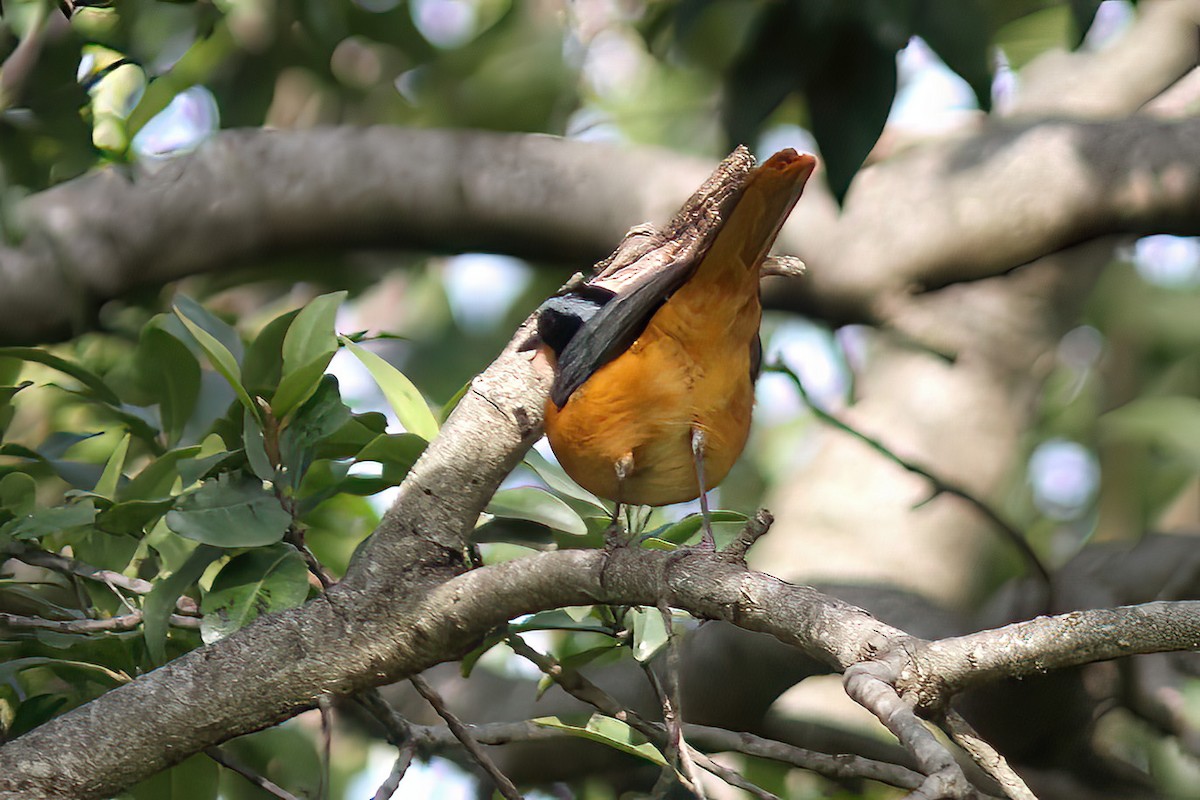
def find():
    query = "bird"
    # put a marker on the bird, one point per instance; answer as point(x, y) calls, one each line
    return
point(656, 355)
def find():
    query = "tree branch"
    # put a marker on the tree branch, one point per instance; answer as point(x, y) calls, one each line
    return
point(251, 195)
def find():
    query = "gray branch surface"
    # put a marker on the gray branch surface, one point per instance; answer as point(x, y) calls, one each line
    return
point(941, 212)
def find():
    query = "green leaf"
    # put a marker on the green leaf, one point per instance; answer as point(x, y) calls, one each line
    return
point(558, 480)
point(321, 416)
point(397, 452)
point(213, 325)
point(960, 32)
point(6, 408)
point(160, 603)
point(849, 100)
point(33, 711)
point(577, 661)
point(298, 386)
point(10, 669)
point(537, 505)
point(170, 374)
point(1083, 12)
point(255, 445)
point(18, 493)
point(157, 477)
point(197, 778)
point(46, 521)
point(1025, 38)
point(453, 402)
point(649, 632)
point(1171, 423)
point(262, 368)
point(132, 517)
point(88, 378)
point(228, 512)
point(111, 477)
point(679, 532)
point(312, 336)
point(260, 581)
point(559, 620)
point(404, 398)
point(609, 731)
point(221, 358)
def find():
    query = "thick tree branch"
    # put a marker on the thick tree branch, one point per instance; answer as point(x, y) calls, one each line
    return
point(1002, 197)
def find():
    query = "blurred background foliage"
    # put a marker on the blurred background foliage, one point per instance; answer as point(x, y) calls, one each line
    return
point(123, 85)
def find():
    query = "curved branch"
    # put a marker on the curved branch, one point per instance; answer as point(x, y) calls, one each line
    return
point(938, 213)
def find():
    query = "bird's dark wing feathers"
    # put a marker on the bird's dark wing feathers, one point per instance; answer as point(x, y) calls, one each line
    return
point(600, 331)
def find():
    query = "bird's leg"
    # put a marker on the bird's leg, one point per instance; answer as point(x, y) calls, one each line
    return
point(707, 542)
point(623, 468)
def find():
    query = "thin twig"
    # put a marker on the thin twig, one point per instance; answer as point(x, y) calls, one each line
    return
point(399, 730)
point(837, 767)
point(70, 566)
point(986, 756)
point(940, 485)
point(295, 537)
point(389, 786)
point(503, 784)
point(869, 683)
point(229, 762)
point(125, 622)
point(668, 695)
point(323, 706)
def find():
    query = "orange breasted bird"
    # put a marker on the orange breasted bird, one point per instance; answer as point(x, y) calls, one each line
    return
point(656, 354)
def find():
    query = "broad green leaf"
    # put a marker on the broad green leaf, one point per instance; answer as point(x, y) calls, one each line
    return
point(1170, 422)
point(299, 385)
point(1083, 12)
point(18, 493)
point(255, 445)
point(170, 374)
point(10, 669)
point(160, 603)
point(348, 440)
point(262, 368)
point(77, 473)
point(960, 32)
point(46, 521)
point(221, 359)
point(556, 478)
point(228, 512)
point(88, 378)
point(577, 661)
point(260, 581)
point(110, 479)
point(609, 731)
point(559, 620)
point(321, 416)
point(6, 408)
point(311, 335)
point(849, 101)
point(213, 325)
point(404, 398)
point(679, 532)
point(197, 778)
point(156, 478)
point(453, 402)
point(1025, 38)
point(33, 711)
point(537, 505)
point(397, 452)
point(131, 517)
point(649, 632)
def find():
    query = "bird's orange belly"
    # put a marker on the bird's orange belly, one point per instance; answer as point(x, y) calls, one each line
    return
point(646, 403)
